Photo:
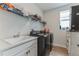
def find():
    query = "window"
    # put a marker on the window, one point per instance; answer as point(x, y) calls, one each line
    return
point(65, 20)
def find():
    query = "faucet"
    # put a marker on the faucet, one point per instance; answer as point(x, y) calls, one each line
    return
point(16, 35)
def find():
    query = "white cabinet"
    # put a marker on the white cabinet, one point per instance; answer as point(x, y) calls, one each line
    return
point(74, 44)
point(68, 41)
point(23, 53)
point(25, 49)
point(33, 50)
point(0, 53)
point(30, 51)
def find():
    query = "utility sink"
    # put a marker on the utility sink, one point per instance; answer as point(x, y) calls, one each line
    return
point(17, 40)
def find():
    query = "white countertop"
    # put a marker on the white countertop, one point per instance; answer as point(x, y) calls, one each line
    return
point(4, 45)
point(13, 42)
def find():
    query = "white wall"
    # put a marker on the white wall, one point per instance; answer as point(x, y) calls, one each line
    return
point(29, 8)
point(52, 18)
point(11, 24)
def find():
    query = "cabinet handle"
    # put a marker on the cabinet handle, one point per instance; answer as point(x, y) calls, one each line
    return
point(28, 52)
point(77, 45)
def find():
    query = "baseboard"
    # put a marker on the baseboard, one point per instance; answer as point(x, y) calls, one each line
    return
point(59, 45)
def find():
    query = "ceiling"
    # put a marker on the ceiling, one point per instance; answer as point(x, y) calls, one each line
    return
point(48, 6)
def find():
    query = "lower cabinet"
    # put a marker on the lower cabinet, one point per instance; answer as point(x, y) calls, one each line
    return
point(26, 49)
point(74, 48)
point(30, 51)
point(68, 41)
point(73, 43)
point(22, 53)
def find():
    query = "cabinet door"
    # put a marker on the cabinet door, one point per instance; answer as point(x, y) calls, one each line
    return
point(0, 53)
point(74, 50)
point(18, 49)
point(33, 50)
point(30, 51)
point(23, 53)
point(75, 18)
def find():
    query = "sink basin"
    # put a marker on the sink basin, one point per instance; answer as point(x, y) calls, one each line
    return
point(17, 40)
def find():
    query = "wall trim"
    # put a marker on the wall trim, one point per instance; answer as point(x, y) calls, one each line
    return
point(59, 45)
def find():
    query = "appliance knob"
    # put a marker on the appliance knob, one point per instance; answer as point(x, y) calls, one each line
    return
point(73, 25)
point(73, 29)
point(29, 51)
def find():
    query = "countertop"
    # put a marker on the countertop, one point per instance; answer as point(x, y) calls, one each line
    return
point(4, 45)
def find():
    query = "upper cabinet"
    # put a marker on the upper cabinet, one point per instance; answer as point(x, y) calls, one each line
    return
point(75, 19)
